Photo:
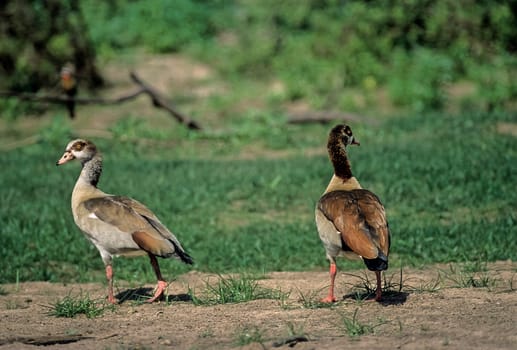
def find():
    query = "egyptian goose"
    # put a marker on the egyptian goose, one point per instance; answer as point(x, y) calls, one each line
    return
point(351, 220)
point(117, 225)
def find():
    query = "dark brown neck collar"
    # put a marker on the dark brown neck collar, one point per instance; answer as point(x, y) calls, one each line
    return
point(339, 159)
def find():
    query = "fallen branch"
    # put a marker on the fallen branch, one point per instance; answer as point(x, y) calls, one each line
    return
point(63, 99)
point(291, 341)
point(44, 340)
point(160, 102)
point(157, 99)
point(326, 117)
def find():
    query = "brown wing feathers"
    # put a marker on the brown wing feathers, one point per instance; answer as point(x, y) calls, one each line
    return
point(146, 230)
point(178, 249)
point(114, 212)
point(359, 216)
point(150, 244)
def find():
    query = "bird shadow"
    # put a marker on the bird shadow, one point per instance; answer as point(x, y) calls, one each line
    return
point(142, 294)
point(388, 297)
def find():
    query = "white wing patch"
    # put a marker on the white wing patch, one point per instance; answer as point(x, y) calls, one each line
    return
point(92, 216)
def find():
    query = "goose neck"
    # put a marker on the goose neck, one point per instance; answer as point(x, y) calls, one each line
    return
point(92, 169)
point(339, 159)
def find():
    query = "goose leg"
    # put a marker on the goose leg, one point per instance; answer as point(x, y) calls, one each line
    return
point(378, 292)
point(160, 287)
point(109, 277)
point(330, 297)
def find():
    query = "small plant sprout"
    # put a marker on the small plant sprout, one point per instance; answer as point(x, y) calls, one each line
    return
point(248, 335)
point(295, 334)
point(294, 329)
point(354, 328)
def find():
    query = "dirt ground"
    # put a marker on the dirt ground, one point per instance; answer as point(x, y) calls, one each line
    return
point(430, 311)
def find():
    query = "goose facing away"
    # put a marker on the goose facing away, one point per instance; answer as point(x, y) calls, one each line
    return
point(351, 221)
point(117, 225)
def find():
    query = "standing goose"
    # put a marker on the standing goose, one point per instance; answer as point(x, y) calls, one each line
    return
point(117, 225)
point(350, 219)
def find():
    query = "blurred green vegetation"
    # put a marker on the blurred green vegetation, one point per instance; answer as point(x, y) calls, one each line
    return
point(320, 48)
point(334, 54)
point(448, 184)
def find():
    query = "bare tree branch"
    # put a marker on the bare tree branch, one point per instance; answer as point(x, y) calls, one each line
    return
point(157, 99)
point(63, 99)
point(325, 117)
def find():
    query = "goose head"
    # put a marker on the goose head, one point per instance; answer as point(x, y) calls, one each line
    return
point(79, 149)
point(343, 135)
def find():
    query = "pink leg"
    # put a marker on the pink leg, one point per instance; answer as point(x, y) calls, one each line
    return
point(109, 276)
point(160, 287)
point(330, 297)
point(378, 292)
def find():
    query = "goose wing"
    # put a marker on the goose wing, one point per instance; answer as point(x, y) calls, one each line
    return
point(132, 217)
point(360, 218)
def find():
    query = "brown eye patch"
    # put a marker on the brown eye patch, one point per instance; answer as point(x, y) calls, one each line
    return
point(78, 146)
point(348, 131)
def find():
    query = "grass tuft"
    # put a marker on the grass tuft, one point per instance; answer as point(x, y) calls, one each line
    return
point(234, 290)
point(428, 286)
point(72, 306)
point(465, 277)
point(366, 287)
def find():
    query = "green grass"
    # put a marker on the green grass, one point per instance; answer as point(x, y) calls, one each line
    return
point(448, 184)
point(353, 327)
point(463, 277)
point(392, 284)
point(234, 290)
point(71, 306)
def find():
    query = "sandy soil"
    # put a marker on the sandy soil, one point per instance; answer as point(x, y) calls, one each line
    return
point(428, 312)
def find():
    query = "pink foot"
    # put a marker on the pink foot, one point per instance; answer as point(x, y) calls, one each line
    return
point(329, 299)
point(160, 287)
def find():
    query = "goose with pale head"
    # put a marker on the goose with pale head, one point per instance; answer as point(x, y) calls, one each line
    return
point(117, 225)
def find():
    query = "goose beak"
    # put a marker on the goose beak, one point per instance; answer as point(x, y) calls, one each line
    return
point(355, 142)
point(66, 157)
